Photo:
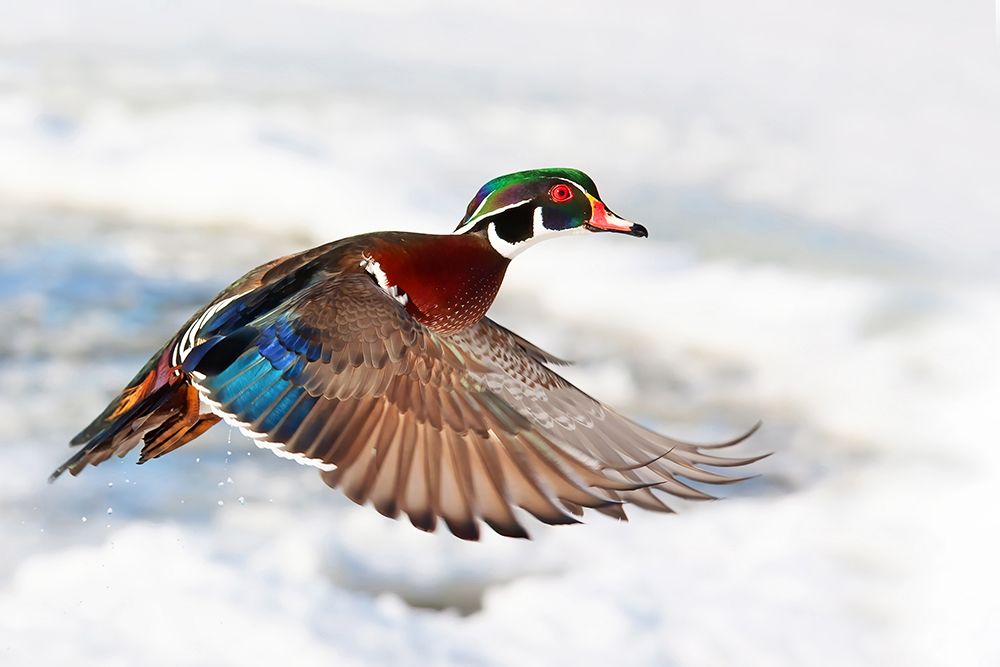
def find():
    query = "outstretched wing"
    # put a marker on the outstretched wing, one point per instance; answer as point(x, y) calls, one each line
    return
point(461, 427)
point(596, 435)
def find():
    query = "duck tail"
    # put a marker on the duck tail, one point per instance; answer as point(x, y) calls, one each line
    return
point(159, 408)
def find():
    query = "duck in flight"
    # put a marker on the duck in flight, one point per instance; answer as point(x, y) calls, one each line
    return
point(371, 358)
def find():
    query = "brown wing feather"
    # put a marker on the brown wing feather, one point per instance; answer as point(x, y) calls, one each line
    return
point(590, 431)
point(467, 426)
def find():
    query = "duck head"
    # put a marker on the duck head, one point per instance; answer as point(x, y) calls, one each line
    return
point(517, 210)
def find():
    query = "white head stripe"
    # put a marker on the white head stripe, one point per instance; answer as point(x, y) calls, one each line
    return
point(582, 189)
point(480, 207)
point(474, 220)
point(475, 217)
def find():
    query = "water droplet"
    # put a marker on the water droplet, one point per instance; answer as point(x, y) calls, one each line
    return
point(110, 510)
point(83, 519)
point(221, 503)
point(220, 483)
point(197, 459)
point(229, 480)
point(111, 483)
point(228, 453)
point(243, 501)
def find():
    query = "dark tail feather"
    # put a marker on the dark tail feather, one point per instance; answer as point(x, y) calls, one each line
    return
point(118, 429)
point(159, 407)
point(164, 419)
point(181, 424)
point(151, 375)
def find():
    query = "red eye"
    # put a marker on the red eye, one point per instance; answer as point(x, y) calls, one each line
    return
point(561, 193)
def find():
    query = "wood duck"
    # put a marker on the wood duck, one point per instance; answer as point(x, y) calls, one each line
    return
point(371, 359)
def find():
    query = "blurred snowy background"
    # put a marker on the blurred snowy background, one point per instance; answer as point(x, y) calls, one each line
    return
point(822, 186)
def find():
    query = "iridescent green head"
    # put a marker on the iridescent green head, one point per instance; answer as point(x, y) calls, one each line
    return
point(518, 210)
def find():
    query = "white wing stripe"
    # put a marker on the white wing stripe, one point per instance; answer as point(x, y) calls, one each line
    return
point(190, 337)
point(255, 436)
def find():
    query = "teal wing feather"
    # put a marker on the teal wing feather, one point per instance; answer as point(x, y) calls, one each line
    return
point(155, 397)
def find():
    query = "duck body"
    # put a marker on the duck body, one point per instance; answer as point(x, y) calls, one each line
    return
point(371, 359)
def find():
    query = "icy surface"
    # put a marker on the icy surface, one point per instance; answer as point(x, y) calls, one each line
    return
point(820, 184)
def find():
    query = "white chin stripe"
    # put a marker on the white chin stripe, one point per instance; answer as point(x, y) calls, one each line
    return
point(257, 437)
point(539, 232)
point(375, 269)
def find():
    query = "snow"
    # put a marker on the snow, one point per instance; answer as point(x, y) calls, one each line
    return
point(819, 181)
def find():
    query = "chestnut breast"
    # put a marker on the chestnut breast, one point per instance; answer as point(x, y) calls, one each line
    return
point(449, 281)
